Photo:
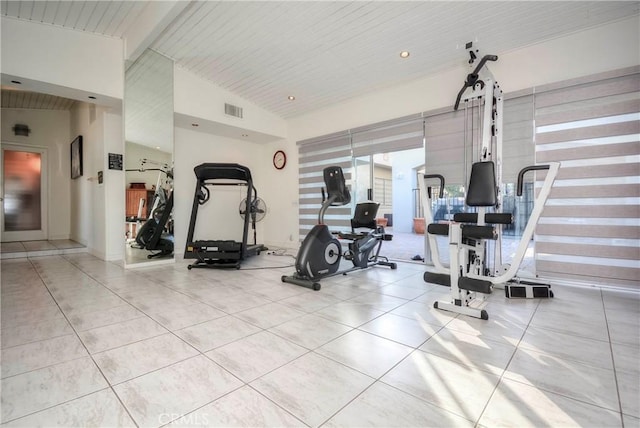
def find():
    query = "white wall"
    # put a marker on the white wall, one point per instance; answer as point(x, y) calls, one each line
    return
point(198, 98)
point(281, 225)
point(50, 129)
point(74, 64)
point(114, 187)
point(608, 47)
point(82, 207)
point(218, 218)
point(65, 58)
point(97, 211)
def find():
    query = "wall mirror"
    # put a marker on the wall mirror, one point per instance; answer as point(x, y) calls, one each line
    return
point(148, 124)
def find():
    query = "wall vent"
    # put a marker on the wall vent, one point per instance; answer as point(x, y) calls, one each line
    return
point(232, 110)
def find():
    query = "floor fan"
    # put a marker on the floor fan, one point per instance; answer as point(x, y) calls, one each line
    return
point(257, 211)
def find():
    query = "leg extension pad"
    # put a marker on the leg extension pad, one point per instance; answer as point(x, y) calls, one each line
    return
point(437, 278)
point(473, 284)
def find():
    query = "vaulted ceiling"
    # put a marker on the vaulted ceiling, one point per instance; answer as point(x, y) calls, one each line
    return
point(324, 52)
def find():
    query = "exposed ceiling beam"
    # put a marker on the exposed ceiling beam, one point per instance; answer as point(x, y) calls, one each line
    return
point(152, 21)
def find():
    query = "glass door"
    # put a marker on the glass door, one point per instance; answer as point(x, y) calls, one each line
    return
point(24, 202)
point(363, 167)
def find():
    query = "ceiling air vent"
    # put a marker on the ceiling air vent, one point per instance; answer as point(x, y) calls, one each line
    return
point(232, 110)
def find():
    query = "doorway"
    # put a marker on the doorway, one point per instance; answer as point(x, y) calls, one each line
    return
point(24, 193)
point(390, 179)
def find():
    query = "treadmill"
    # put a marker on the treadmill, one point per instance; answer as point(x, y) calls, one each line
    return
point(221, 253)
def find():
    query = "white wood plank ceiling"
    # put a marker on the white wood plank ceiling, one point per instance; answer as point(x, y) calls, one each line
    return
point(326, 52)
point(34, 100)
point(108, 18)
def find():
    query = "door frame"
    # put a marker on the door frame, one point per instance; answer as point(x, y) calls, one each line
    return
point(27, 235)
point(367, 161)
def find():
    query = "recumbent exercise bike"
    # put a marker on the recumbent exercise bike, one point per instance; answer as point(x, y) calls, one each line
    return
point(320, 254)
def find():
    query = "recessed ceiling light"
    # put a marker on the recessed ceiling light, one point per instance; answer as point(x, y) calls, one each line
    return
point(17, 82)
point(158, 147)
point(291, 98)
point(404, 54)
point(194, 124)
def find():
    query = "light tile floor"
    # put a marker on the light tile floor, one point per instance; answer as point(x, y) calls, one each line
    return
point(88, 343)
point(12, 250)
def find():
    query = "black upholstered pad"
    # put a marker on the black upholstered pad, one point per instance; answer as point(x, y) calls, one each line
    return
point(365, 215)
point(482, 185)
point(491, 218)
point(336, 185)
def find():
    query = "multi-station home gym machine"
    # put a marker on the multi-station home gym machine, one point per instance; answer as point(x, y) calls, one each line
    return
point(469, 273)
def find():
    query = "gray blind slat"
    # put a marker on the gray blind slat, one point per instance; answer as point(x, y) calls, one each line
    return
point(590, 132)
point(326, 145)
point(517, 139)
point(444, 146)
point(389, 138)
point(587, 91)
point(599, 107)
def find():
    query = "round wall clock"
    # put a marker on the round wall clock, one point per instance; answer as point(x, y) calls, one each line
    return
point(279, 159)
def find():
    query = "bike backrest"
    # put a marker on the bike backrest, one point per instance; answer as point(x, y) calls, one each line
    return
point(336, 185)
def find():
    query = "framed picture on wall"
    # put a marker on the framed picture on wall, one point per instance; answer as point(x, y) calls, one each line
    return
point(76, 157)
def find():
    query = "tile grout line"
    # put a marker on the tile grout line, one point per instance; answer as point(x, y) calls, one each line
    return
point(200, 353)
point(83, 345)
point(501, 377)
point(613, 360)
point(376, 380)
point(379, 379)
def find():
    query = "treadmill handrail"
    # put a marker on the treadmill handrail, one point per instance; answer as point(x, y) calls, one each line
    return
point(220, 171)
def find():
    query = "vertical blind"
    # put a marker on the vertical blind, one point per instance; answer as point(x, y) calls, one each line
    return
point(590, 228)
point(315, 155)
